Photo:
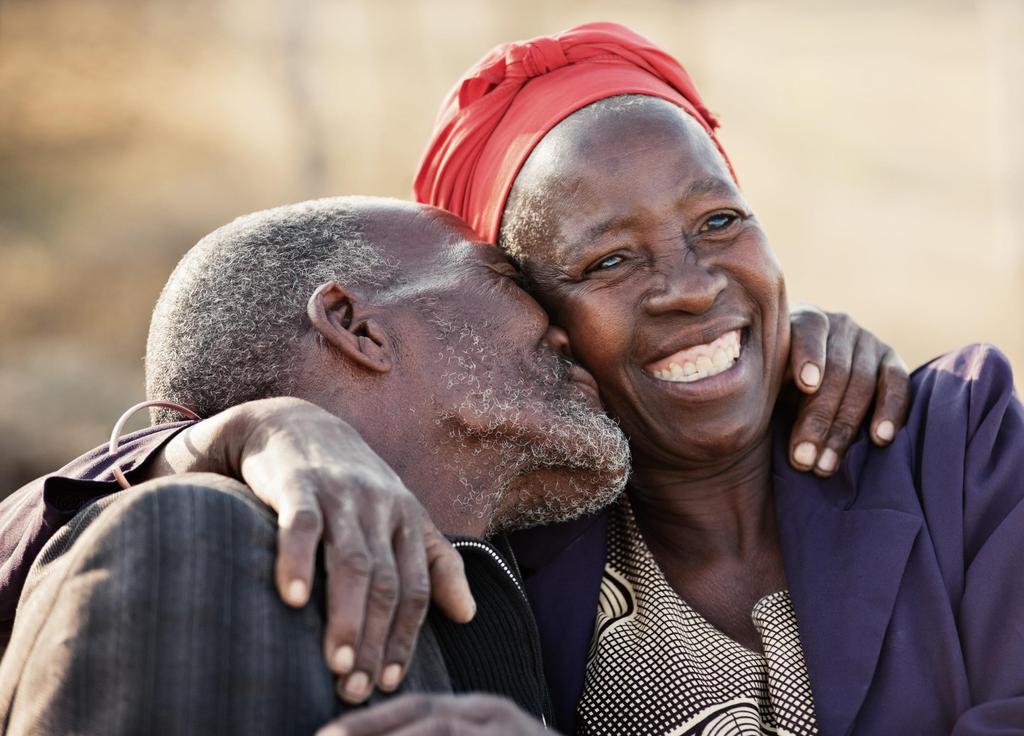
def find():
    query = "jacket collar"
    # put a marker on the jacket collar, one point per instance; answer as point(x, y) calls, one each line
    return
point(844, 559)
point(844, 562)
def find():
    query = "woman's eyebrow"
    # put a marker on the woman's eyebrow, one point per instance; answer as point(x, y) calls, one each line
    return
point(604, 227)
point(710, 185)
point(707, 185)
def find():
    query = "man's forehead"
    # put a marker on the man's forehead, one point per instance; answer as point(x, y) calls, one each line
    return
point(427, 241)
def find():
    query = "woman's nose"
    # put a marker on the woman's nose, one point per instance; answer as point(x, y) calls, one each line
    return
point(558, 340)
point(688, 286)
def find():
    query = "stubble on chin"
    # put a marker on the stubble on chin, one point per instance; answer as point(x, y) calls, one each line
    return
point(527, 446)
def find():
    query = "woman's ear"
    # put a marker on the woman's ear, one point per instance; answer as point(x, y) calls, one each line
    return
point(338, 315)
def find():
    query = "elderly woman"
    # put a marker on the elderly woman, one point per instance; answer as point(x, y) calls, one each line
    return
point(728, 593)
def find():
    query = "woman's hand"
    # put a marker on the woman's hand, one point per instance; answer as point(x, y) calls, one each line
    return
point(384, 558)
point(845, 370)
point(438, 715)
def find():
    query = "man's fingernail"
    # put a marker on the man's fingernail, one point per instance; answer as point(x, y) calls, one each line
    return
point(885, 430)
point(296, 592)
point(391, 676)
point(810, 375)
point(828, 460)
point(344, 659)
point(357, 687)
point(805, 454)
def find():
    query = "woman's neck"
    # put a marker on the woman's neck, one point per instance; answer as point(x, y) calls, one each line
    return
point(704, 513)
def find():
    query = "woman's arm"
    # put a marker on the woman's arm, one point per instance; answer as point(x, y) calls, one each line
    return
point(845, 372)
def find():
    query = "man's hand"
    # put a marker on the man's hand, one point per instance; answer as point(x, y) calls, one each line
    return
point(438, 715)
point(859, 370)
point(384, 558)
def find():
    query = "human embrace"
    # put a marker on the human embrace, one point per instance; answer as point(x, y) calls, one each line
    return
point(643, 495)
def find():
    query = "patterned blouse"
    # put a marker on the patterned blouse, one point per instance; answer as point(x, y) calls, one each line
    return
point(656, 666)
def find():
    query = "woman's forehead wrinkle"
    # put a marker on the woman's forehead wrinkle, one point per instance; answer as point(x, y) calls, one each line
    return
point(710, 185)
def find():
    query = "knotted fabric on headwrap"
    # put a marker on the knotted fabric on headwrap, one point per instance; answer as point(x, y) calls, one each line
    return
point(504, 105)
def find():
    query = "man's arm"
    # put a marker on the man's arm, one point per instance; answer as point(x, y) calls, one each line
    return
point(320, 477)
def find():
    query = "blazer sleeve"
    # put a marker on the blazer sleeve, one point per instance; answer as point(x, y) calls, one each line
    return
point(30, 516)
point(991, 613)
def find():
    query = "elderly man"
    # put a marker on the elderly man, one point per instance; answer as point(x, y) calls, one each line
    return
point(153, 610)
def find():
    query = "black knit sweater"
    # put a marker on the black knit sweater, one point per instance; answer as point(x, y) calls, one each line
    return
point(498, 652)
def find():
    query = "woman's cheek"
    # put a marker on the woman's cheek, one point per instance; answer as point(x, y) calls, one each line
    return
point(591, 334)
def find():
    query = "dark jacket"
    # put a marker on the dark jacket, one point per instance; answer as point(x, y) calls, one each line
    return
point(904, 568)
point(498, 652)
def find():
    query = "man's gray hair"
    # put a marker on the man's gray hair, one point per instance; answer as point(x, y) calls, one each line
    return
point(233, 312)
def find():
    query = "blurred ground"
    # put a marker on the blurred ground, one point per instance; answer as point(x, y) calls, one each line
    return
point(878, 141)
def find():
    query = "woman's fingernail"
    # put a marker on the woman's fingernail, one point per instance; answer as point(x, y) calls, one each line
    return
point(357, 687)
point(885, 431)
point(391, 676)
point(810, 375)
point(828, 460)
point(805, 454)
point(344, 659)
point(297, 592)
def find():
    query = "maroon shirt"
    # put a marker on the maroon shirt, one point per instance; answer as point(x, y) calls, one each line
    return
point(36, 511)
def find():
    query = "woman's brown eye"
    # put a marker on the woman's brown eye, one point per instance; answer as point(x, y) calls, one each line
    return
point(718, 222)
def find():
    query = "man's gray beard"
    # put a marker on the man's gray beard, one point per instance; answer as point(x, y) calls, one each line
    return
point(584, 452)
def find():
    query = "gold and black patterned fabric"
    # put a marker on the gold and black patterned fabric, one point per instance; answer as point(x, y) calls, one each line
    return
point(656, 666)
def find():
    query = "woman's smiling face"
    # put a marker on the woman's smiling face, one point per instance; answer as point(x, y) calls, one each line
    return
point(637, 240)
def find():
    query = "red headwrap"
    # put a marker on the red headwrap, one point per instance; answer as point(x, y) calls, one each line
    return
point(505, 104)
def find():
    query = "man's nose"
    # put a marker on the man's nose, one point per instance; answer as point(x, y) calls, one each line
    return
point(558, 340)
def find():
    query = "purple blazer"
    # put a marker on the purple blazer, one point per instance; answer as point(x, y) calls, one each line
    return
point(903, 568)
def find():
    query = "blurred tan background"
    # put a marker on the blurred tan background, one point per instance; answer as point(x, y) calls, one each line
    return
point(880, 142)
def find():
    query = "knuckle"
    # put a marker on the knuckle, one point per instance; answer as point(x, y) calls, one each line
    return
point(399, 650)
point(411, 509)
point(384, 589)
point(839, 357)
point(860, 389)
point(842, 433)
point(816, 423)
point(895, 376)
point(417, 595)
point(306, 519)
point(355, 562)
point(865, 364)
point(840, 319)
point(422, 705)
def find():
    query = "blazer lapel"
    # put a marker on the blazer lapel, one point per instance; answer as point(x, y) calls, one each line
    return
point(843, 567)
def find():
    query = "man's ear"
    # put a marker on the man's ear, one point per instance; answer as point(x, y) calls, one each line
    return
point(339, 316)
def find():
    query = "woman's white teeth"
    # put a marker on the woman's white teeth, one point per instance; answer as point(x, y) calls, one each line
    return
point(715, 358)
